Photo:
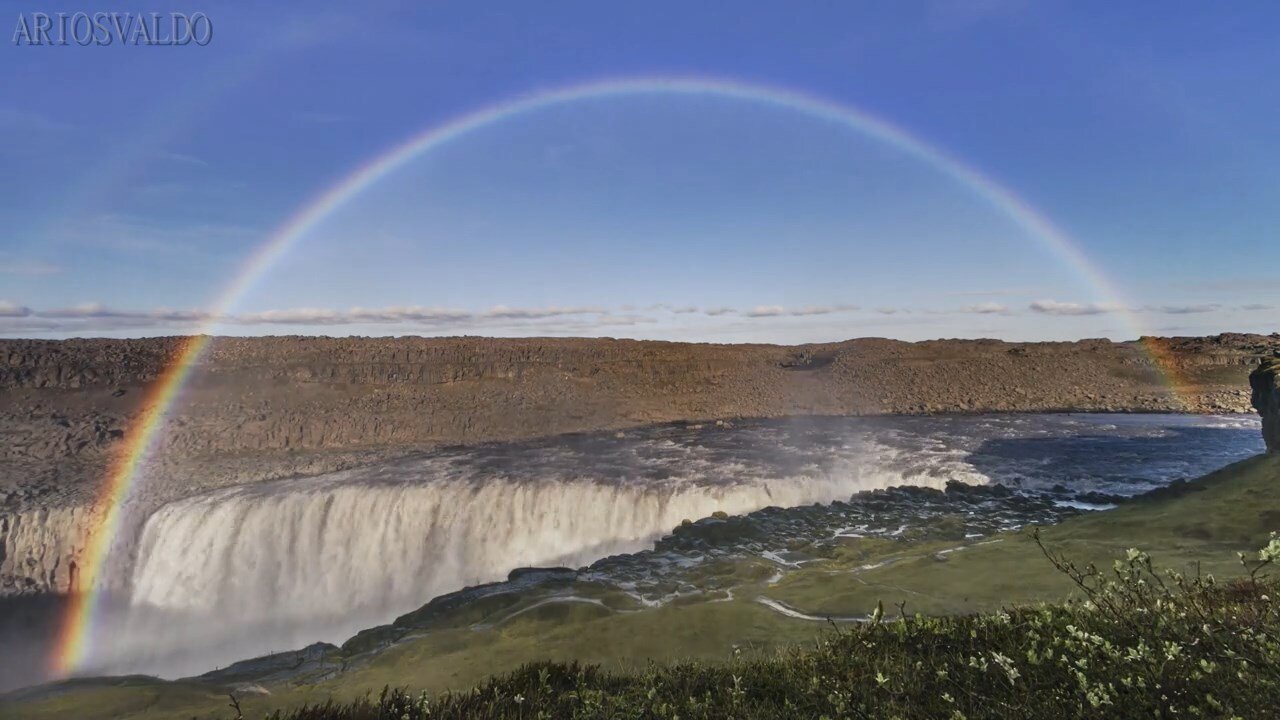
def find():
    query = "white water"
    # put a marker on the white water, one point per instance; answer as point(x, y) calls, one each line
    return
point(245, 571)
point(334, 547)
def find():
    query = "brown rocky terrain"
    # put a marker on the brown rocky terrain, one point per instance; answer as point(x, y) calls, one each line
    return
point(258, 408)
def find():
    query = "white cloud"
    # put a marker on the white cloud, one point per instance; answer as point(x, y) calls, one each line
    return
point(1053, 307)
point(95, 316)
point(779, 311)
point(296, 316)
point(400, 314)
point(99, 311)
point(89, 316)
point(413, 313)
point(84, 310)
point(821, 310)
point(1183, 309)
point(1257, 306)
point(504, 312)
point(986, 308)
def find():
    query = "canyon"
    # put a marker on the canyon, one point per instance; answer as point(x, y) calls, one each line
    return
point(263, 409)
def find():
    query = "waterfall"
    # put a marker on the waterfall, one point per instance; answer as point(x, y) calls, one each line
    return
point(239, 572)
point(253, 569)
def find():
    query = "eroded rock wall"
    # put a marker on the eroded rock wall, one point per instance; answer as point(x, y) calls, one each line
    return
point(1265, 382)
point(41, 549)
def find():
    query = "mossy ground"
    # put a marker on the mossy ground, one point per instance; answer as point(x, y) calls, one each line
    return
point(1196, 528)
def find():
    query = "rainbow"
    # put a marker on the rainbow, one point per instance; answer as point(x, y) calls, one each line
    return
point(71, 644)
point(74, 639)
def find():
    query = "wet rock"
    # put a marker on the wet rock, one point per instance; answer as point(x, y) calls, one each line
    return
point(538, 575)
point(309, 661)
point(1099, 498)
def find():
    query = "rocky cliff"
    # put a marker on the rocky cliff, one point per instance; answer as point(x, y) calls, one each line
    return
point(261, 408)
point(1265, 381)
point(39, 548)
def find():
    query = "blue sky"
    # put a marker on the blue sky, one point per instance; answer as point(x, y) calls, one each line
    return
point(135, 181)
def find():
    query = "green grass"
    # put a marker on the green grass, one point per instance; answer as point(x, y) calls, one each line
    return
point(1142, 644)
point(1190, 527)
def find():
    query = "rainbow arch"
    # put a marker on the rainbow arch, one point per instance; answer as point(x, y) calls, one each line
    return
point(75, 632)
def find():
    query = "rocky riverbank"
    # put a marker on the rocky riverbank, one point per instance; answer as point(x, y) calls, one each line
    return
point(265, 408)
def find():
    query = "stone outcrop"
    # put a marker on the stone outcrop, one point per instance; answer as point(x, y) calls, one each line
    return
point(39, 549)
point(1265, 381)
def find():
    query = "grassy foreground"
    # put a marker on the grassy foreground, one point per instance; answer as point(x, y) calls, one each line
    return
point(961, 587)
point(1144, 644)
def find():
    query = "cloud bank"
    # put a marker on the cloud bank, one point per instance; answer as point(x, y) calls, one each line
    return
point(17, 318)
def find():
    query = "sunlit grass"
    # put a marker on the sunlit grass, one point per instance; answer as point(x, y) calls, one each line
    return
point(1141, 643)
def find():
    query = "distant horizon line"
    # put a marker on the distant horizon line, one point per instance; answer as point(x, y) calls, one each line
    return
point(568, 338)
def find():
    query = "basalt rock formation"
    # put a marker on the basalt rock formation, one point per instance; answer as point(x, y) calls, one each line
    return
point(1265, 381)
point(265, 408)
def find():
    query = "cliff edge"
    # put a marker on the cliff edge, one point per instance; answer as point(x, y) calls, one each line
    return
point(1265, 381)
